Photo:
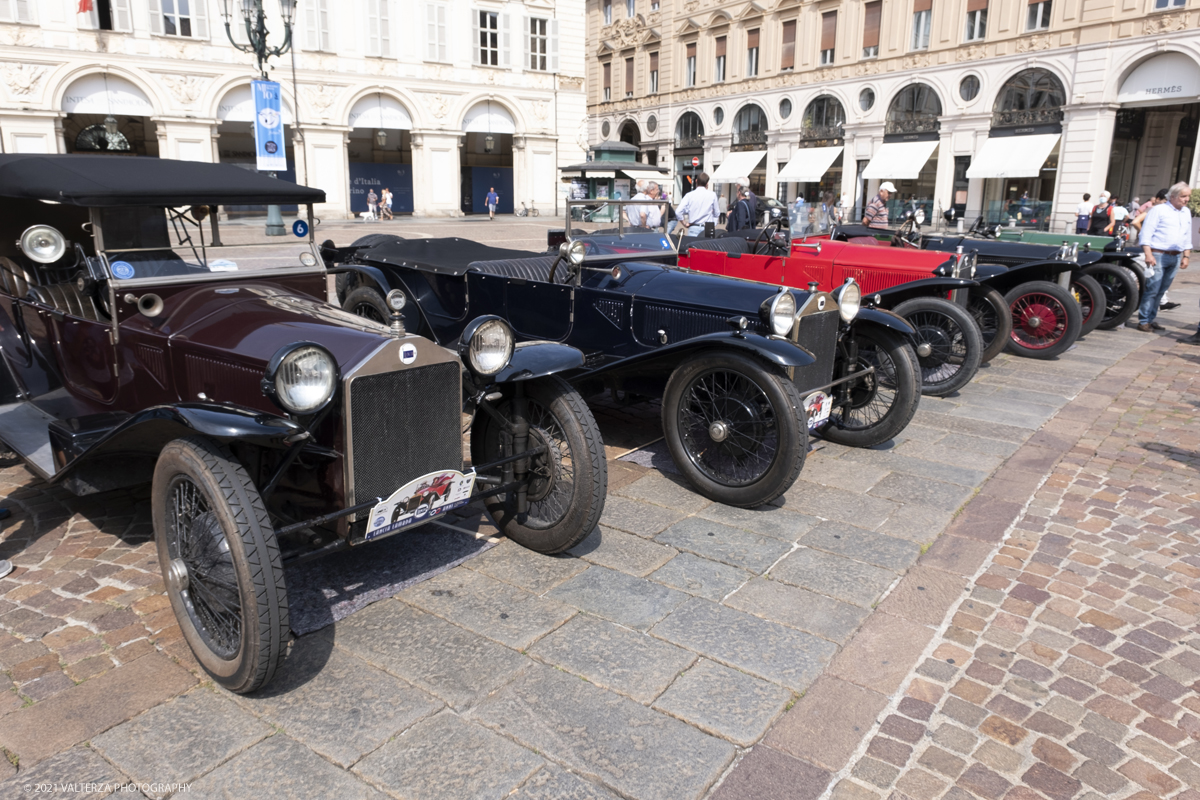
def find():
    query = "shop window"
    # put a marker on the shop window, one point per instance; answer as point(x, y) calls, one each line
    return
point(105, 15)
point(920, 29)
point(828, 37)
point(654, 73)
point(435, 32)
point(689, 65)
point(184, 18)
point(976, 21)
point(1031, 97)
point(689, 131)
point(607, 68)
point(1039, 16)
point(752, 53)
point(873, 13)
point(378, 35)
point(719, 66)
point(787, 58)
point(629, 77)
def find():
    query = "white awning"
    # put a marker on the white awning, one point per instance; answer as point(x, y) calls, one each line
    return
point(737, 165)
point(809, 165)
point(378, 111)
point(899, 160)
point(1012, 156)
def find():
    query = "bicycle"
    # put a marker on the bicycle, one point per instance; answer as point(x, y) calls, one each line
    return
point(530, 211)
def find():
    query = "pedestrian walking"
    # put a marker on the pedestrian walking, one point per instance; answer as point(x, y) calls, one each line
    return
point(385, 205)
point(742, 216)
point(1083, 214)
point(372, 205)
point(1167, 244)
point(698, 207)
point(492, 201)
point(876, 213)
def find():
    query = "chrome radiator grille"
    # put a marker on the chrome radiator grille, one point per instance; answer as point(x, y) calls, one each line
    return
point(817, 333)
point(403, 425)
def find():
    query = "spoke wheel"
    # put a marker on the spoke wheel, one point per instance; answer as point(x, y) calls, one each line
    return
point(1090, 296)
point(567, 482)
point(365, 302)
point(948, 343)
point(1046, 320)
point(221, 563)
point(1121, 294)
point(991, 314)
point(882, 403)
point(736, 431)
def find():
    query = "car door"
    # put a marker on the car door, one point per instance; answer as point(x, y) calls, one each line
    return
point(81, 338)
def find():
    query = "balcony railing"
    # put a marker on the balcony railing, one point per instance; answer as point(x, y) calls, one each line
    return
point(745, 140)
point(821, 132)
point(917, 125)
point(1032, 116)
point(689, 142)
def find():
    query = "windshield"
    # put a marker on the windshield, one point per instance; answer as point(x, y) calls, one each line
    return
point(809, 219)
point(146, 242)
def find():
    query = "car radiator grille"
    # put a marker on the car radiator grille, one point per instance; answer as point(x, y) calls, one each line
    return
point(681, 324)
point(403, 425)
point(817, 333)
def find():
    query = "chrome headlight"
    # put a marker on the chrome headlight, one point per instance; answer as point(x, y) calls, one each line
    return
point(573, 252)
point(43, 244)
point(1075, 251)
point(780, 313)
point(487, 345)
point(849, 299)
point(301, 378)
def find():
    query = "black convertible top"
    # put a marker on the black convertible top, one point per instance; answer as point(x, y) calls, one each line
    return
point(103, 180)
point(449, 256)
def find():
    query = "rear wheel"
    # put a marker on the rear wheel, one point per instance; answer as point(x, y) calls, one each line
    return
point(568, 481)
point(991, 314)
point(1091, 301)
point(737, 431)
point(948, 343)
point(366, 302)
point(882, 403)
point(1121, 295)
point(221, 563)
point(1045, 320)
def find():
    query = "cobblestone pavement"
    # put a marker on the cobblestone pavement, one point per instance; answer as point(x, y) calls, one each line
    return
point(684, 646)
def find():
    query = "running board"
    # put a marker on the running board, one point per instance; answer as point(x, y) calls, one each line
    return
point(25, 428)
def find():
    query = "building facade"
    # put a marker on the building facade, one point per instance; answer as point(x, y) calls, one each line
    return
point(436, 99)
point(1009, 108)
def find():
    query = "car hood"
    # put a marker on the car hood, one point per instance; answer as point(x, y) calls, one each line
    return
point(654, 283)
point(993, 247)
point(869, 256)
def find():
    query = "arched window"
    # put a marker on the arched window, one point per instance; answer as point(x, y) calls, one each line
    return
point(823, 119)
point(1032, 97)
point(914, 110)
point(750, 127)
point(630, 133)
point(689, 131)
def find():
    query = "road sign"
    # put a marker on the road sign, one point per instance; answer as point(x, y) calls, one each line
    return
point(695, 161)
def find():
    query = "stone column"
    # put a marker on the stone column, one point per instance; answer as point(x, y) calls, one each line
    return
point(1082, 161)
point(32, 132)
point(436, 173)
point(943, 186)
point(325, 146)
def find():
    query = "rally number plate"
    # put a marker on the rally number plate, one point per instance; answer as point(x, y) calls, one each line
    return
point(419, 501)
point(817, 406)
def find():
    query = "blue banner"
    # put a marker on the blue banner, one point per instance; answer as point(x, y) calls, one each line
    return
point(367, 177)
point(269, 144)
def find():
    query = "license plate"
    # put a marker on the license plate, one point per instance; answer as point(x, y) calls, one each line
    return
point(419, 501)
point(817, 406)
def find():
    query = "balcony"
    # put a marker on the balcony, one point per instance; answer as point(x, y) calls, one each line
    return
point(689, 142)
point(1027, 117)
point(914, 125)
point(821, 132)
point(749, 140)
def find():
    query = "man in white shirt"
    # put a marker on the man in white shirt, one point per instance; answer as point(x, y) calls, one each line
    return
point(698, 207)
point(635, 216)
point(654, 212)
point(1166, 240)
point(1083, 214)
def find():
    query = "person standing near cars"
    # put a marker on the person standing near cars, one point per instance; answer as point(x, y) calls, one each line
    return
point(741, 217)
point(876, 213)
point(698, 207)
point(1083, 214)
point(654, 212)
point(1167, 244)
point(635, 216)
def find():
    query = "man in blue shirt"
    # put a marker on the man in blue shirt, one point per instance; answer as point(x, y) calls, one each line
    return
point(492, 200)
point(1166, 240)
point(698, 207)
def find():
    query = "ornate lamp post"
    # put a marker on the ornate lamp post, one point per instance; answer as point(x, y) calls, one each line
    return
point(255, 20)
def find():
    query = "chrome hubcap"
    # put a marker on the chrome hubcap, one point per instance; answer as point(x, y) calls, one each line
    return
point(177, 575)
point(1034, 322)
point(924, 349)
point(718, 431)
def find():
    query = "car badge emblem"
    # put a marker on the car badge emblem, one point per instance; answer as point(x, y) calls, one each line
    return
point(820, 304)
point(408, 353)
point(122, 270)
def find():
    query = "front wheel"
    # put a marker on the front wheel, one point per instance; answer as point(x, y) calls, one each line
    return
point(1091, 301)
point(221, 563)
point(881, 404)
point(992, 316)
point(1045, 320)
point(1121, 293)
point(736, 431)
point(365, 301)
point(948, 343)
point(567, 482)
point(535, 213)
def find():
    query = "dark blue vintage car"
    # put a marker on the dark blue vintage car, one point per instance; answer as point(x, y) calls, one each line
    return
point(744, 370)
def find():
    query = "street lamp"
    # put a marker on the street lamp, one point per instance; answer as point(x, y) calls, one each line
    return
point(111, 126)
point(489, 143)
point(255, 20)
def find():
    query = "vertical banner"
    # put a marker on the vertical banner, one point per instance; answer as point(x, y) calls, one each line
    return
point(269, 145)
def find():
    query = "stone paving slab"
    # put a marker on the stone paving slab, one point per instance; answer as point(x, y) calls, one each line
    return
point(729, 545)
point(724, 702)
point(553, 783)
point(838, 577)
point(798, 608)
point(280, 768)
point(622, 551)
point(695, 575)
point(619, 597)
point(523, 568)
point(81, 766)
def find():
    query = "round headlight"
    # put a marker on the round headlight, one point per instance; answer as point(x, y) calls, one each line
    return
point(305, 379)
point(396, 300)
point(849, 300)
point(43, 244)
point(576, 251)
point(782, 314)
point(491, 347)
point(308, 259)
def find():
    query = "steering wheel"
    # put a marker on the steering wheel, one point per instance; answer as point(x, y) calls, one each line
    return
point(907, 234)
point(977, 227)
point(772, 247)
point(568, 270)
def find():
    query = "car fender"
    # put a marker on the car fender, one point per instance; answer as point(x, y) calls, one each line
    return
point(537, 360)
point(1023, 273)
point(985, 271)
point(926, 287)
point(775, 351)
point(1085, 258)
point(883, 318)
point(419, 293)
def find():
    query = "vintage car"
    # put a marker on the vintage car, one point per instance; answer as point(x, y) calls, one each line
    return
point(146, 340)
point(934, 292)
point(744, 370)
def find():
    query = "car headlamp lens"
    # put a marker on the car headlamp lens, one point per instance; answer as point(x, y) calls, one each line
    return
point(849, 300)
point(575, 252)
point(305, 379)
point(783, 314)
point(43, 244)
point(491, 347)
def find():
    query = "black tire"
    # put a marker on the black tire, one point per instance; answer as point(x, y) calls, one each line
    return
point(1045, 320)
point(365, 301)
point(210, 525)
point(567, 497)
point(884, 402)
point(953, 341)
point(1092, 302)
point(1121, 293)
point(992, 316)
point(535, 213)
point(763, 438)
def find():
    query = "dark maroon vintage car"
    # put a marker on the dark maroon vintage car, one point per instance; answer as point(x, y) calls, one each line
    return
point(150, 337)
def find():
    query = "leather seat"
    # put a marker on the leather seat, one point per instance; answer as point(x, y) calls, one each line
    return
point(531, 269)
point(728, 244)
point(67, 298)
point(870, 241)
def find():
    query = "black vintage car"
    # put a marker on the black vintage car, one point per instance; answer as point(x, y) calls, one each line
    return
point(146, 340)
point(744, 370)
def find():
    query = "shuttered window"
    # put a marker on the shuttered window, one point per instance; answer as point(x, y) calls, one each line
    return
point(828, 36)
point(315, 17)
point(752, 53)
point(976, 20)
point(607, 68)
point(435, 32)
point(921, 24)
point(174, 18)
point(787, 58)
point(17, 10)
point(491, 37)
point(1039, 15)
point(541, 51)
point(654, 73)
point(873, 12)
point(378, 30)
point(719, 66)
point(629, 77)
point(689, 78)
